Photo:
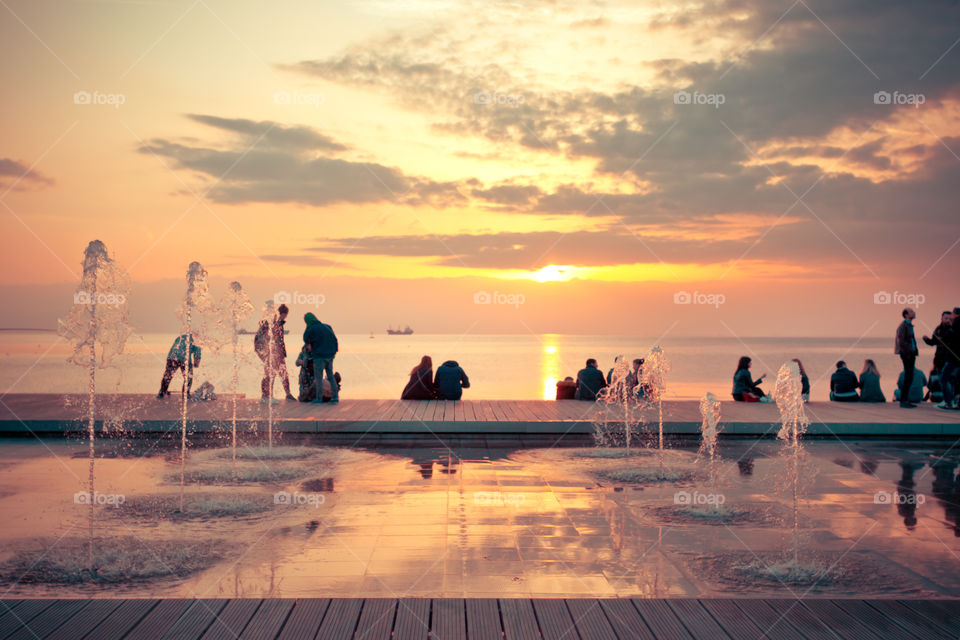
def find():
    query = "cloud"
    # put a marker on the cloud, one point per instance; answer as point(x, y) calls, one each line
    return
point(20, 172)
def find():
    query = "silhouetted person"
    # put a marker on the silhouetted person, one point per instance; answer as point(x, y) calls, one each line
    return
point(940, 339)
point(271, 348)
point(450, 381)
point(916, 390)
point(745, 388)
point(567, 389)
point(420, 386)
point(906, 495)
point(590, 381)
point(323, 346)
point(950, 374)
point(804, 381)
point(906, 347)
point(844, 384)
point(934, 388)
point(869, 383)
point(178, 358)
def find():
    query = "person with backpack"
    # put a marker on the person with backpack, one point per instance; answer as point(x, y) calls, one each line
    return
point(184, 355)
point(272, 350)
point(323, 346)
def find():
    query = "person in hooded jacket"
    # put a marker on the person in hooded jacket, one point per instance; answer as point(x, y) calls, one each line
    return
point(450, 381)
point(323, 346)
point(420, 386)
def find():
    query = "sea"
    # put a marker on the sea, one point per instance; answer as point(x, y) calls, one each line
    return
point(499, 366)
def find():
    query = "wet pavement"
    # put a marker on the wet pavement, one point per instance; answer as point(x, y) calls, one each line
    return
point(502, 523)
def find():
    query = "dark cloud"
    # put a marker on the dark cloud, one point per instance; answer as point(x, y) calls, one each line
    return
point(272, 135)
point(19, 173)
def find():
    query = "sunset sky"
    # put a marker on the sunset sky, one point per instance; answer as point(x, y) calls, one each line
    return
point(595, 160)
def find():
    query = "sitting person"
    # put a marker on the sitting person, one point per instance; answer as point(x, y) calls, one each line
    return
point(916, 388)
point(934, 390)
point(420, 386)
point(567, 389)
point(308, 382)
point(804, 381)
point(635, 379)
point(844, 384)
point(745, 388)
point(869, 384)
point(450, 381)
point(590, 381)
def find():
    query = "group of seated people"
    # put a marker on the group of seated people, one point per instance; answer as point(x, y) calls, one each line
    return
point(592, 384)
point(845, 386)
point(447, 384)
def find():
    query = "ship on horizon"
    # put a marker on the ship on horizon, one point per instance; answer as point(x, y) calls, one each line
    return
point(397, 332)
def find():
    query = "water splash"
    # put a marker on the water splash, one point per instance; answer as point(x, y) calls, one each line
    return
point(710, 429)
point(237, 306)
point(99, 315)
point(617, 407)
point(794, 423)
point(653, 379)
point(269, 315)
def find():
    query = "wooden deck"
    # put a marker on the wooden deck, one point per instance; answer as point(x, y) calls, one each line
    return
point(56, 414)
point(477, 619)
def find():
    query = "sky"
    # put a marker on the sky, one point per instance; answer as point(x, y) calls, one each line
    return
point(732, 168)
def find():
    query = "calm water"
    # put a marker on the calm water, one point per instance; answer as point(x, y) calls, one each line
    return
point(502, 367)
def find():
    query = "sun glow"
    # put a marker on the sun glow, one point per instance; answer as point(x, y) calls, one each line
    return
point(556, 273)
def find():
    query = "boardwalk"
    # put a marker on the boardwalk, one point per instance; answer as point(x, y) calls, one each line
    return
point(478, 619)
point(51, 413)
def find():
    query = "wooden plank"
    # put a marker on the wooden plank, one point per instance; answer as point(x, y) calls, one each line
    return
point(6, 609)
point(838, 620)
point(917, 624)
point(696, 619)
point(519, 620)
point(341, 619)
point(21, 614)
point(304, 619)
point(733, 620)
point(46, 621)
point(800, 617)
point(554, 620)
point(123, 619)
point(195, 620)
point(160, 618)
point(84, 621)
point(881, 625)
point(413, 619)
point(626, 620)
point(946, 620)
point(448, 619)
point(661, 619)
point(590, 620)
point(230, 623)
point(376, 619)
point(771, 622)
point(268, 619)
point(422, 408)
point(483, 619)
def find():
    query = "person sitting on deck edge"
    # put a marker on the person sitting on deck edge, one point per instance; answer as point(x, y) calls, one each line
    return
point(590, 381)
point(420, 386)
point(450, 381)
point(844, 384)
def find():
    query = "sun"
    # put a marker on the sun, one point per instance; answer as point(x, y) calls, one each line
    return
point(554, 273)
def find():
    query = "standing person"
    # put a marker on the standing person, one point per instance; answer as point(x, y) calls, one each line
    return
point(905, 346)
point(323, 346)
point(590, 381)
point(844, 384)
point(869, 383)
point(450, 381)
point(271, 347)
point(951, 362)
point(804, 381)
point(635, 379)
point(177, 358)
point(420, 386)
point(940, 339)
point(745, 388)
